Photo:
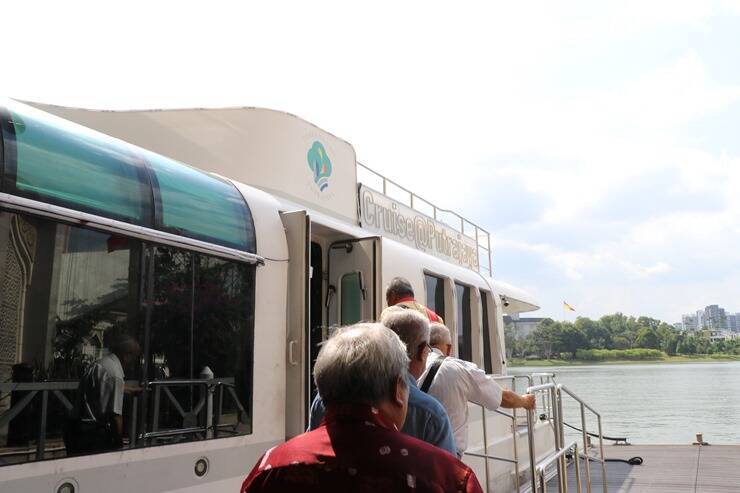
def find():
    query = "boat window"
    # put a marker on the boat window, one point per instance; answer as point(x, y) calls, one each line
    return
point(200, 331)
point(351, 293)
point(487, 363)
point(56, 161)
point(201, 206)
point(435, 290)
point(462, 322)
point(75, 307)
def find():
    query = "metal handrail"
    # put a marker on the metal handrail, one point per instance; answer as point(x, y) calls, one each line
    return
point(486, 456)
point(212, 422)
point(550, 388)
point(559, 456)
point(544, 377)
point(556, 417)
point(556, 392)
point(583, 406)
point(479, 231)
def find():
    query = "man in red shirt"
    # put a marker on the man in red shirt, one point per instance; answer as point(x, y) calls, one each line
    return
point(361, 375)
point(401, 293)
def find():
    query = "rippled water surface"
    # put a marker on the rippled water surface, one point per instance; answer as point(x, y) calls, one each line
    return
point(657, 403)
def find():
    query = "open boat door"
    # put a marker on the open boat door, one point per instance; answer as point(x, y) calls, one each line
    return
point(353, 294)
point(298, 233)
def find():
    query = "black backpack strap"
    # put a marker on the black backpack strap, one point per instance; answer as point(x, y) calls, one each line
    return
point(431, 374)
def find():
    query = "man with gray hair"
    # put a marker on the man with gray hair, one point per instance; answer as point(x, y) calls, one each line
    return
point(362, 373)
point(427, 419)
point(400, 293)
point(455, 382)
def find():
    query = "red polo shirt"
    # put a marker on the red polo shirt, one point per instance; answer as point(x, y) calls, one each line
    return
point(412, 303)
point(357, 449)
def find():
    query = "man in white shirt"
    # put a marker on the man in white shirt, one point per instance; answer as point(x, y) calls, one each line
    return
point(455, 382)
point(99, 423)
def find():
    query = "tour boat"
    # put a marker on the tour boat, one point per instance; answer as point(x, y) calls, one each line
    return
point(228, 242)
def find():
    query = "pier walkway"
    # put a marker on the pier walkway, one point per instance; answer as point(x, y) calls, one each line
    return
point(666, 469)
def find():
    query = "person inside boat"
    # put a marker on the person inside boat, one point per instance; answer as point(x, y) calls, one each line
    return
point(455, 382)
point(400, 293)
point(362, 373)
point(427, 419)
point(97, 423)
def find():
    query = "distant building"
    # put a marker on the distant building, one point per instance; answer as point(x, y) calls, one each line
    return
point(714, 318)
point(711, 317)
point(690, 322)
point(523, 326)
point(720, 335)
point(733, 322)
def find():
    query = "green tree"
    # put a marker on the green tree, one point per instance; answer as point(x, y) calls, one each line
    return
point(620, 342)
point(597, 335)
point(547, 337)
point(571, 339)
point(647, 338)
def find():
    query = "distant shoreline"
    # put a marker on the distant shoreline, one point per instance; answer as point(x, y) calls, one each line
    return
point(718, 358)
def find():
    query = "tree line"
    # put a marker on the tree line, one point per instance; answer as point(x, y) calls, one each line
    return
point(588, 339)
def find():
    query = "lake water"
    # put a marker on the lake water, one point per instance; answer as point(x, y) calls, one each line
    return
point(656, 403)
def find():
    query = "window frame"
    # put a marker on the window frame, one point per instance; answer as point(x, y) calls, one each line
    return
point(467, 333)
point(358, 275)
point(143, 299)
point(485, 296)
point(441, 280)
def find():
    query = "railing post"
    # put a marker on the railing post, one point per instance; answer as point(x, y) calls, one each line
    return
point(585, 448)
point(577, 467)
point(41, 437)
point(485, 445)
point(219, 408)
point(132, 424)
point(207, 374)
point(490, 267)
point(558, 438)
point(601, 448)
point(532, 455)
point(155, 412)
point(561, 420)
point(516, 453)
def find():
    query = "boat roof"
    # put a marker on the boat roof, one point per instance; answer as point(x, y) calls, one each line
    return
point(304, 165)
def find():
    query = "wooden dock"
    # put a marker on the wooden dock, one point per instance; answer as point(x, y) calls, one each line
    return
point(665, 469)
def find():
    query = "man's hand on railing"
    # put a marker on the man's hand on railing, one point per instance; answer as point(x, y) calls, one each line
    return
point(129, 389)
point(511, 400)
point(530, 403)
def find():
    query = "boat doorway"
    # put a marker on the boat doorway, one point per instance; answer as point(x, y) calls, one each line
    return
point(333, 280)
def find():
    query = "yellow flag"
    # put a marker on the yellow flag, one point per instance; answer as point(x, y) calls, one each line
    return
point(568, 307)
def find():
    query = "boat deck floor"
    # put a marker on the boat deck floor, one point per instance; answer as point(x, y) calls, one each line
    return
point(665, 469)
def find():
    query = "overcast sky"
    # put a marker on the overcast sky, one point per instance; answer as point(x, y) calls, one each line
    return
point(600, 143)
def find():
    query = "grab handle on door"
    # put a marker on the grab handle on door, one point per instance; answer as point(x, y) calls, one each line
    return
point(291, 359)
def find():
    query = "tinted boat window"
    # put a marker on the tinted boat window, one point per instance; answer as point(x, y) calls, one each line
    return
point(487, 364)
point(462, 325)
point(56, 161)
point(65, 294)
point(435, 290)
point(351, 293)
point(71, 299)
point(200, 329)
point(201, 206)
